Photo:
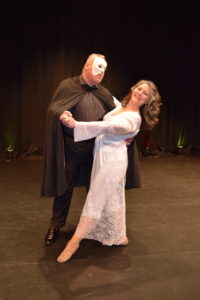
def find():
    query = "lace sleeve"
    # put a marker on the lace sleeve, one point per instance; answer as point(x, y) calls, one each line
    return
point(118, 126)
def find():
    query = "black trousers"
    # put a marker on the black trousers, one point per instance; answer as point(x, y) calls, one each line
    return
point(61, 204)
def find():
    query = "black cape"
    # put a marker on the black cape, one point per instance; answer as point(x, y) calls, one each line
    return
point(67, 95)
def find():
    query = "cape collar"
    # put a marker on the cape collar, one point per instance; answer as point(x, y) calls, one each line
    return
point(84, 83)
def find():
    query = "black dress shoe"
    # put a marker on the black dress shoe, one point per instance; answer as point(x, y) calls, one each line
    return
point(51, 236)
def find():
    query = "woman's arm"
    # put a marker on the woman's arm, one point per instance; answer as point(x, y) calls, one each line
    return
point(87, 130)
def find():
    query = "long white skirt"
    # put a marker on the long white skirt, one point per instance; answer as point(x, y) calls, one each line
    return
point(103, 216)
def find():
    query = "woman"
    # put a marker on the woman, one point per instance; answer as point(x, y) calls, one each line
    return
point(103, 215)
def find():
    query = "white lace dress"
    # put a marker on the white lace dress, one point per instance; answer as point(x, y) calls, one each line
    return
point(103, 215)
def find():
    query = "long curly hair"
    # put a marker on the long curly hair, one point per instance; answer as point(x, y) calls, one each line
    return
point(151, 110)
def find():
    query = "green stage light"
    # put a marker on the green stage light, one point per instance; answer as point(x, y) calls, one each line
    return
point(10, 153)
point(180, 144)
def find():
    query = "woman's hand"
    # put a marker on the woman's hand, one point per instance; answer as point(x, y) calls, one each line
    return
point(67, 119)
point(65, 114)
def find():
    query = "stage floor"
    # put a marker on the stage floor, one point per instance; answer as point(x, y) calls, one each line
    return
point(161, 262)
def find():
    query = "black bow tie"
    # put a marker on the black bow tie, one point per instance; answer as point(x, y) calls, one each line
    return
point(89, 88)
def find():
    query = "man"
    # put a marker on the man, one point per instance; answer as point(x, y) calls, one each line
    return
point(65, 160)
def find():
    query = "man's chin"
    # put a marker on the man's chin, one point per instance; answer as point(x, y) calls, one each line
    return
point(94, 82)
point(95, 79)
point(98, 79)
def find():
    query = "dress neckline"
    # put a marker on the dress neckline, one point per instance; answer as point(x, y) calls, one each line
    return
point(126, 111)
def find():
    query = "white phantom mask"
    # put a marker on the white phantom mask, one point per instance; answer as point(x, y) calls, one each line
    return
point(99, 66)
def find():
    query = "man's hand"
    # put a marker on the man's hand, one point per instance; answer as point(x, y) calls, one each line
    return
point(129, 141)
point(67, 119)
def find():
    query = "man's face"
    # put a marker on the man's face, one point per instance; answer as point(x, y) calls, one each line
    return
point(99, 66)
point(98, 69)
point(94, 70)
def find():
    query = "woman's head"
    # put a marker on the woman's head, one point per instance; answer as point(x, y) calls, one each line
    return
point(145, 94)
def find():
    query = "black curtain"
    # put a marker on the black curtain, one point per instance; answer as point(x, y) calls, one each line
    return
point(44, 42)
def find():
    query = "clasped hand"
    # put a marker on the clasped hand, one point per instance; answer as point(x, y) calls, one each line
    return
point(67, 119)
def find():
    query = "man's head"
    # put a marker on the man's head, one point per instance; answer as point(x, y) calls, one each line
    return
point(94, 69)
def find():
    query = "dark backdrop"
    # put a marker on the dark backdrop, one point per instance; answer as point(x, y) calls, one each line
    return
point(42, 42)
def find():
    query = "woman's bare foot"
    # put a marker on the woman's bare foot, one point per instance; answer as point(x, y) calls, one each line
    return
point(67, 253)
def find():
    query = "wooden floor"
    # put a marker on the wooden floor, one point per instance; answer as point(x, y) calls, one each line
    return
point(162, 261)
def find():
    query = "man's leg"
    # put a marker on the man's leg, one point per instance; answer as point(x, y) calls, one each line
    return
point(62, 203)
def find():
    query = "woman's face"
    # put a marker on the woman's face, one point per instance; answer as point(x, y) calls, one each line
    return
point(141, 94)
